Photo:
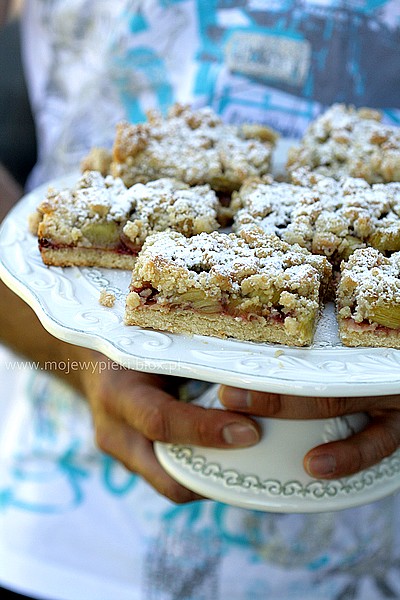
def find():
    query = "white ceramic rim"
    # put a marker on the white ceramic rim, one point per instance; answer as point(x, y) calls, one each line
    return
point(326, 368)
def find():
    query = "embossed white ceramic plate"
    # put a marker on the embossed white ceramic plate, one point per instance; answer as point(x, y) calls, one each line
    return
point(267, 477)
point(66, 301)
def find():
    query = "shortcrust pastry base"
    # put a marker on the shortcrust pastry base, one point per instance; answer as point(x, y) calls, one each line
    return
point(356, 335)
point(87, 257)
point(189, 322)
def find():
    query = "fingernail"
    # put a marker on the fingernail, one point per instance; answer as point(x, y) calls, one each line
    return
point(321, 465)
point(236, 398)
point(238, 434)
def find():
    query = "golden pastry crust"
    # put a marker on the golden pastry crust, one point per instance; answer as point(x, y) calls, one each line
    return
point(345, 141)
point(322, 214)
point(368, 299)
point(87, 257)
point(100, 222)
point(252, 286)
point(194, 146)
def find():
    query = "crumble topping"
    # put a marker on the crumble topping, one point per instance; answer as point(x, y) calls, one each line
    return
point(226, 262)
point(167, 203)
point(101, 212)
point(107, 298)
point(194, 146)
point(348, 141)
point(96, 207)
point(369, 288)
point(266, 203)
point(98, 159)
point(249, 275)
point(322, 214)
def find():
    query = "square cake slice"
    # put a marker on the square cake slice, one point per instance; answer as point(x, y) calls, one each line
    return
point(348, 141)
point(368, 299)
point(194, 146)
point(100, 222)
point(249, 287)
point(326, 216)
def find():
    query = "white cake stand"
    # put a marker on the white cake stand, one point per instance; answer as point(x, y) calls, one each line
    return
point(268, 476)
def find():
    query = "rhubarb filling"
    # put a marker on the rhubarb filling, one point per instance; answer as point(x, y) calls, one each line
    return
point(119, 248)
point(366, 325)
point(227, 305)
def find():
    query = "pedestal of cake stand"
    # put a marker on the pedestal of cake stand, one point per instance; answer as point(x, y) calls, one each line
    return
point(270, 476)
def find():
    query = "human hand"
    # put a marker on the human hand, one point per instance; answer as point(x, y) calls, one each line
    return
point(131, 410)
point(380, 438)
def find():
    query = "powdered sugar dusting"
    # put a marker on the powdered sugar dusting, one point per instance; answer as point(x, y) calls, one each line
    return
point(347, 141)
point(193, 146)
point(168, 203)
point(104, 196)
point(369, 280)
point(89, 212)
point(100, 210)
point(226, 260)
point(322, 214)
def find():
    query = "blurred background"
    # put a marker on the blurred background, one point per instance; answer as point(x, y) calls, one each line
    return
point(17, 132)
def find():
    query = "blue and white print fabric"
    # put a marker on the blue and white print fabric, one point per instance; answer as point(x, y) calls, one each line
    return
point(74, 524)
point(90, 64)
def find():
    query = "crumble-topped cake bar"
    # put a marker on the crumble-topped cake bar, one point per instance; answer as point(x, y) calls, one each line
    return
point(368, 299)
point(348, 141)
point(325, 216)
point(194, 146)
point(250, 287)
point(100, 222)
